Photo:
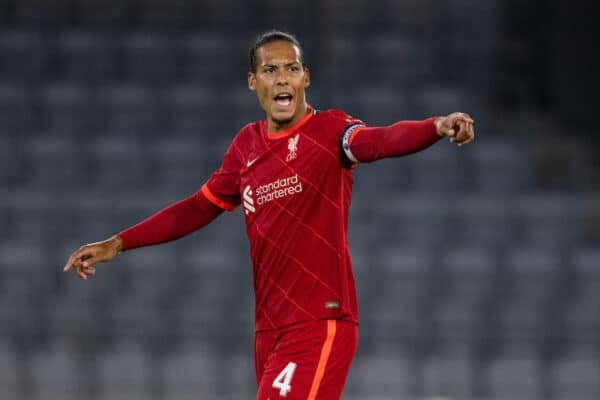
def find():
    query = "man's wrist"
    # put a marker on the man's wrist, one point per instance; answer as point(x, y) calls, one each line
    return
point(437, 122)
point(117, 242)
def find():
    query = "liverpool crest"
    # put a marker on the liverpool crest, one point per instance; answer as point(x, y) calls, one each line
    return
point(293, 148)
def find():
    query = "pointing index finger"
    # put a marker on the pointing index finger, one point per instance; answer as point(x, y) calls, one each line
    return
point(75, 257)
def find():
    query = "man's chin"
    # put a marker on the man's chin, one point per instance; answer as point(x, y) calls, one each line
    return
point(282, 121)
point(282, 118)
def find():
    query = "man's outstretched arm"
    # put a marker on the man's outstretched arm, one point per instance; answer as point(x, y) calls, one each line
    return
point(366, 144)
point(171, 223)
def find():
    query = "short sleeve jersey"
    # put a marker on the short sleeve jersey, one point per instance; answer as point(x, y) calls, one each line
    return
point(295, 193)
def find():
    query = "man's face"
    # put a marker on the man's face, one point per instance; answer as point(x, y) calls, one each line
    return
point(279, 83)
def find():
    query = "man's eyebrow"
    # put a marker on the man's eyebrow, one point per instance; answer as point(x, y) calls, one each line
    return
point(275, 65)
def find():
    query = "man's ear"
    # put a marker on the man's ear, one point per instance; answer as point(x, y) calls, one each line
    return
point(251, 81)
point(306, 77)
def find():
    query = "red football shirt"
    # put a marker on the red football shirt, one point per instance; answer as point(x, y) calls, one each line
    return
point(295, 194)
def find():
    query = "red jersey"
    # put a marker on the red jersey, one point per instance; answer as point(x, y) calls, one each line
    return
point(295, 194)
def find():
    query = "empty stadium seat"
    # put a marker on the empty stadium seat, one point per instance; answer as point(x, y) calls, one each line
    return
point(193, 109)
point(514, 376)
point(398, 60)
point(39, 13)
point(87, 56)
point(55, 371)
point(118, 163)
point(123, 370)
point(24, 56)
point(449, 375)
point(206, 59)
point(51, 165)
point(176, 14)
point(410, 219)
point(241, 109)
point(400, 295)
point(12, 163)
point(130, 108)
point(341, 49)
point(582, 314)
point(427, 167)
point(499, 166)
point(394, 374)
point(180, 163)
point(467, 282)
point(547, 220)
point(482, 220)
point(407, 16)
point(68, 108)
point(532, 282)
point(239, 369)
point(575, 376)
point(18, 111)
point(10, 376)
point(149, 57)
point(290, 15)
point(189, 372)
point(348, 17)
point(101, 14)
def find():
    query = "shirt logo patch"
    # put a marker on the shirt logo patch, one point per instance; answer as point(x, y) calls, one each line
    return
point(332, 304)
point(250, 162)
point(248, 200)
point(293, 148)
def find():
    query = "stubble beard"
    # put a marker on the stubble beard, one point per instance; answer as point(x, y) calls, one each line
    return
point(281, 122)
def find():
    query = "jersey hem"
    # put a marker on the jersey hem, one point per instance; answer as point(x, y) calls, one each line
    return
point(215, 200)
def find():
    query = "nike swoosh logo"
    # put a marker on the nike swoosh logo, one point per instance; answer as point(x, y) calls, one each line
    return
point(250, 162)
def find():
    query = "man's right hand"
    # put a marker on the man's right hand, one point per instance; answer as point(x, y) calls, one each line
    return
point(83, 260)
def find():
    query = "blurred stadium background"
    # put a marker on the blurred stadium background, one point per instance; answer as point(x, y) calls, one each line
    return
point(478, 269)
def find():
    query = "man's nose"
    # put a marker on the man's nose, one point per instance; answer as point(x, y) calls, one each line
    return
point(281, 79)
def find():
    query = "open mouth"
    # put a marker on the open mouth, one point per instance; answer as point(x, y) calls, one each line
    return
point(283, 99)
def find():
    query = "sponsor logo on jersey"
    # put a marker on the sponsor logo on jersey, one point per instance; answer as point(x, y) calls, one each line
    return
point(250, 162)
point(293, 148)
point(278, 189)
point(248, 200)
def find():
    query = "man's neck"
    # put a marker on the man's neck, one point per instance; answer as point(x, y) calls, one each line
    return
point(275, 127)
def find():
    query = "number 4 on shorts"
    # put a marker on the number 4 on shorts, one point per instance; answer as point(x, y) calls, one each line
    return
point(284, 379)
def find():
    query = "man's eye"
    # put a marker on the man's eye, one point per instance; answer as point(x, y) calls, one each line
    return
point(269, 70)
point(294, 68)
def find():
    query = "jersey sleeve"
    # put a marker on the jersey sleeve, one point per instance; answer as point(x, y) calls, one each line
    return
point(222, 188)
point(359, 143)
point(346, 127)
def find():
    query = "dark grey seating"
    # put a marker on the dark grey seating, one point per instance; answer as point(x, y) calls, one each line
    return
point(24, 55)
point(69, 108)
point(87, 56)
point(575, 376)
point(18, 109)
point(514, 376)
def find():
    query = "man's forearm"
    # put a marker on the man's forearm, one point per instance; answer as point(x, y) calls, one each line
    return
point(171, 223)
point(402, 138)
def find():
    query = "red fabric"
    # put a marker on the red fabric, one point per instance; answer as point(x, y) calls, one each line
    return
point(173, 222)
point(402, 138)
point(295, 195)
point(308, 345)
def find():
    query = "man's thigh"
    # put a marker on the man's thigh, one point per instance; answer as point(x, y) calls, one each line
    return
point(310, 362)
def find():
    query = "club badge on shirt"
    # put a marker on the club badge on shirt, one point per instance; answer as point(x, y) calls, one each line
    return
point(293, 148)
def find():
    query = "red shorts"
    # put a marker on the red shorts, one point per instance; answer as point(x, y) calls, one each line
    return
point(308, 361)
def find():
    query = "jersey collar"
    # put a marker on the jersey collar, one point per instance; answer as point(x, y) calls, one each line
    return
point(279, 135)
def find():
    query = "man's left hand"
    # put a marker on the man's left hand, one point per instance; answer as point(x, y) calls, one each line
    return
point(457, 126)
